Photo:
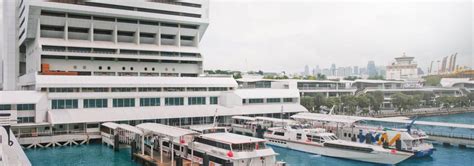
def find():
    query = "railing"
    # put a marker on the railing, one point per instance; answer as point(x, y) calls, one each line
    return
point(326, 88)
point(451, 135)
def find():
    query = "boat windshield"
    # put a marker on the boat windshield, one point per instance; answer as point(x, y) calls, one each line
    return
point(248, 146)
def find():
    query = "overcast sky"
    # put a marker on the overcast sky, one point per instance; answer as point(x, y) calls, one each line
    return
point(286, 35)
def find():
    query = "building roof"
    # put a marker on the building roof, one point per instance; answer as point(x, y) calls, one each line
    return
point(231, 138)
point(164, 130)
point(20, 97)
point(95, 115)
point(130, 81)
point(376, 81)
point(450, 82)
point(267, 93)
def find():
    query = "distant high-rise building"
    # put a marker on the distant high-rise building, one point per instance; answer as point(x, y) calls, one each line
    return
point(333, 69)
point(326, 72)
point(340, 71)
point(355, 70)
point(371, 69)
point(306, 70)
point(347, 71)
point(363, 71)
point(317, 70)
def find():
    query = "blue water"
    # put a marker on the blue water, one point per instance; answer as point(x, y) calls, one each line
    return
point(100, 155)
point(92, 154)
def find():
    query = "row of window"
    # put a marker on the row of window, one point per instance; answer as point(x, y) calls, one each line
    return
point(124, 102)
point(269, 100)
point(19, 107)
point(64, 104)
point(144, 89)
point(25, 119)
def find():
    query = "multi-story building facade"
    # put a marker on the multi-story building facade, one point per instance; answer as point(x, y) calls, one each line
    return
point(85, 62)
point(402, 69)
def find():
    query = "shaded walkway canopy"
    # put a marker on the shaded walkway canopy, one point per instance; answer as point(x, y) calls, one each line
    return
point(164, 130)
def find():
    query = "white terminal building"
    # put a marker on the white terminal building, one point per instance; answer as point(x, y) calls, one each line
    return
point(404, 68)
point(79, 63)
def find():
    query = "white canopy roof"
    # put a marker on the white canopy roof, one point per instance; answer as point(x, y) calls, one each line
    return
point(130, 81)
point(243, 117)
point(267, 93)
point(164, 130)
point(324, 118)
point(127, 127)
point(111, 125)
point(20, 97)
point(95, 115)
point(231, 138)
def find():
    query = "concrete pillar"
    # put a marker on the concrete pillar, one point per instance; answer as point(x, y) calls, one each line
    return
point(66, 30)
point(158, 37)
point(91, 32)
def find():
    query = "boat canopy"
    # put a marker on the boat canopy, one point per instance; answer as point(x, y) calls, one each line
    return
point(164, 130)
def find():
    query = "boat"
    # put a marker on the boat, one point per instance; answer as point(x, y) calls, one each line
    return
point(318, 141)
point(256, 126)
point(411, 140)
point(233, 149)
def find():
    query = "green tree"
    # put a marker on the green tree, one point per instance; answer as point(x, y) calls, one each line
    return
point(351, 78)
point(349, 103)
point(363, 101)
point(307, 102)
point(432, 80)
point(427, 97)
point(311, 78)
point(319, 100)
point(321, 76)
point(237, 75)
point(399, 101)
point(376, 100)
point(334, 101)
point(470, 96)
point(463, 101)
point(376, 77)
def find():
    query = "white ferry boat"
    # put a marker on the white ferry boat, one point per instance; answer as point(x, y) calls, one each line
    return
point(410, 140)
point(255, 126)
point(236, 150)
point(318, 141)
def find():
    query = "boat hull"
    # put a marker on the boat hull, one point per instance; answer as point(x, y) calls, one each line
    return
point(372, 157)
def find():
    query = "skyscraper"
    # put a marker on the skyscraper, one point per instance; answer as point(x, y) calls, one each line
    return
point(306, 70)
point(333, 70)
point(371, 69)
point(356, 70)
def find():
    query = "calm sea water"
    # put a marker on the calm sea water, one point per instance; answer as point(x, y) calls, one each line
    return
point(100, 155)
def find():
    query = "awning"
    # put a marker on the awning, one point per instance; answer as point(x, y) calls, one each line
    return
point(164, 130)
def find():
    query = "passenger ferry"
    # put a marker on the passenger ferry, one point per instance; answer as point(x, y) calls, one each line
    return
point(411, 140)
point(255, 126)
point(236, 150)
point(318, 141)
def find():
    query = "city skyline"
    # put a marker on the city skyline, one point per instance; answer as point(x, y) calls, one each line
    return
point(269, 37)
